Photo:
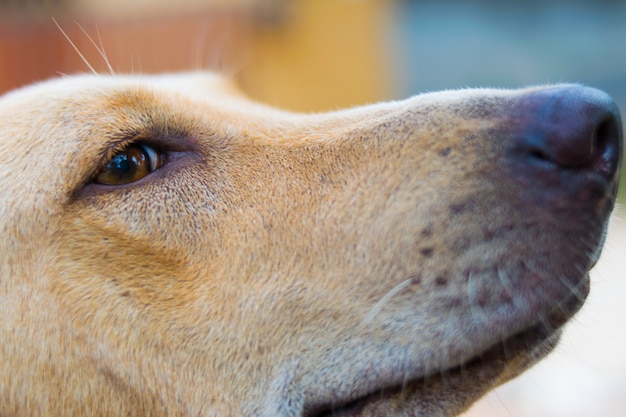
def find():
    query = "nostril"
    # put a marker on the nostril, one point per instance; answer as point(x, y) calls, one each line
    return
point(538, 155)
point(604, 143)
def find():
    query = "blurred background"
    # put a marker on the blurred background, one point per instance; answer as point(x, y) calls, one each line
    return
point(315, 55)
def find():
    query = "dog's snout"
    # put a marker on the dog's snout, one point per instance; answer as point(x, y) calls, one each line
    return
point(570, 128)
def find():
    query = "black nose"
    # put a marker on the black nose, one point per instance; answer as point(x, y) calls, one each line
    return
point(570, 129)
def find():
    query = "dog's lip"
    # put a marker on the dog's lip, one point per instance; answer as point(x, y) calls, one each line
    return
point(528, 345)
point(495, 357)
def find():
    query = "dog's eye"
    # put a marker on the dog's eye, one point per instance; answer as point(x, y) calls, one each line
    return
point(130, 165)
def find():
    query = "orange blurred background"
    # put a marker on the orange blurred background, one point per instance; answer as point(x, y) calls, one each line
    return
point(289, 54)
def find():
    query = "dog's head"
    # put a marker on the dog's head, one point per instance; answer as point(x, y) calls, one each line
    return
point(170, 248)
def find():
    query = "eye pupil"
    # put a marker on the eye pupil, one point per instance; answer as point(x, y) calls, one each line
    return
point(125, 163)
point(129, 165)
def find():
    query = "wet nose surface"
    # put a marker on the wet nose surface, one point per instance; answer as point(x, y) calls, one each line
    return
point(567, 128)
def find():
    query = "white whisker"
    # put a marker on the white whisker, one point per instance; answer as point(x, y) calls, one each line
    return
point(384, 300)
point(574, 289)
point(200, 47)
point(472, 293)
point(100, 48)
point(509, 288)
point(75, 47)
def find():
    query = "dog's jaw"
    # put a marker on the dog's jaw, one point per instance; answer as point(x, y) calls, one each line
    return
point(443, 390)
point(448, 391)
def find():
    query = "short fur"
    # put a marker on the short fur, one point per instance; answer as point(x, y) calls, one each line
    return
point(377, 261)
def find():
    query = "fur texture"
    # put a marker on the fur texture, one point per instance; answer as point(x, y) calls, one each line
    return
point(398, 259)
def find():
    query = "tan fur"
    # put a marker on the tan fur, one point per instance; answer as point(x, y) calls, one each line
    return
point(278, 263)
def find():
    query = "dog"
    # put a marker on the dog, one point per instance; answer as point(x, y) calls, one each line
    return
point(171, 248)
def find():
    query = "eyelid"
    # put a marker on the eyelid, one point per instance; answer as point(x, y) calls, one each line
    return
point(174, 141)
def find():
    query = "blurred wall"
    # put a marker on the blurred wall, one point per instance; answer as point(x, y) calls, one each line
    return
point(323, 54)
point(32, 51)
point(299, 55)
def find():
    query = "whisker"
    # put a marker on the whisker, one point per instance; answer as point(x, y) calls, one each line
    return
point(384, 300)
point(503, 403)
point(574, 289)
point(508, 287)
point(138, 64)
point(75, 47)
point(405, 383)
point(449, 333)
point(216, 57)
point(545, 322)
point(100, 48)
point(471, 296)
point(104, 55)
point(200, 47)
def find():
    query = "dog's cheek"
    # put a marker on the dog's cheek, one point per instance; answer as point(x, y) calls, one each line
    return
point(138, 245)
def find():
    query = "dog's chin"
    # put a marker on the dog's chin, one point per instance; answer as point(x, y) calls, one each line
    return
point(450, 391)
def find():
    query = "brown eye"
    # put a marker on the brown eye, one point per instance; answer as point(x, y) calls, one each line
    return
point(130, 165)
